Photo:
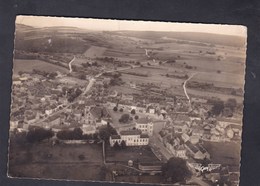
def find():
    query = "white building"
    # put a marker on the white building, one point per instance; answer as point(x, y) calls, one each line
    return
point(145, 125)
point(131, 138)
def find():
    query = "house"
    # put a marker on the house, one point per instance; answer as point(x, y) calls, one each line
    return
point(181, 128)
point(215, 138)
point(13, 125)
point(185, 137)
point(197, 151)
point(88, 129)
point(127, 97)
point(150, 167)
point(151, 110)
point(97, 114)
point(54, 120)
point(101, 122)
point(145, 125)
point(203, 150)
point(113, 139)
point(48, 111)
point(180, 152)
point(78, 114)
point(198, 100)
point(89, 118)
point(194, 139)
point(131, 137)
point(132, 85)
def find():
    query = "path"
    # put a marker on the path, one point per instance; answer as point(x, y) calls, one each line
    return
point(184, 86)
point(146, 53)
point(70, 63)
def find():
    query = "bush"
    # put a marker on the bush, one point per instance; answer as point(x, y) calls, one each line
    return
point(81, 157)
point(124, 118)
point(38, 134)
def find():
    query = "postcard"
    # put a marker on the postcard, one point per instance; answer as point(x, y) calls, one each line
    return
point(127, 101)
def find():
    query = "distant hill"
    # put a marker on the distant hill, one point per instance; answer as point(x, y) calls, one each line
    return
point(22, 27)
point(218, 39)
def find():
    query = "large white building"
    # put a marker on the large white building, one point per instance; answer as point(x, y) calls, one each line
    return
point(145, 125)
point(131, 138)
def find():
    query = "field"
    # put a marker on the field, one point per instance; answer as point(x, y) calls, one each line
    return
point(29, 65)
point(142, 154)
point(227, 153)
point(156, 179)
point(57, 162)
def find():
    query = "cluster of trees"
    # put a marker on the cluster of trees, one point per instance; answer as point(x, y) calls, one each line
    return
point(178, 76)
point(72, 93)
point(124, 118)
point(116, 109)
point(106, 59)
point(120, 146)
point(106, 131)
point(49, 75)
point(116, 79)
point(87, 64)
point(225, 108)
point(189, 67)
point(76, 134)
point(176, 170)
point(37, 134)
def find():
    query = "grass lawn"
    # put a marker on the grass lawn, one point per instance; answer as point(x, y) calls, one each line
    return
point(27, 65)
point(57, 162)
point(156, 179)
point(143, 154)
point(225, 153)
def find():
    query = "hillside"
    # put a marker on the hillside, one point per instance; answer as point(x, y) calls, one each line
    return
point(215, 39)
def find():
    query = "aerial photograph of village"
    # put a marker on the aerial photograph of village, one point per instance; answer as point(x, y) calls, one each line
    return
point(127, 101)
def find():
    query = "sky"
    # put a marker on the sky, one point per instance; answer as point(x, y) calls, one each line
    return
point(117, 25)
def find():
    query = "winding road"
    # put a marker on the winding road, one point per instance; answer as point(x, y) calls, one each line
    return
point(184, 86)
point(146, 53)
point(70, 63)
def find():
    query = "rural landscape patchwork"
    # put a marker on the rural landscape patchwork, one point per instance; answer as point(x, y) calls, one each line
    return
point(154, 107)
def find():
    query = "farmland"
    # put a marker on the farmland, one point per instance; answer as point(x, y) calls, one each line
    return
point(226, 154)
point(29, 65)
point(57, 162)
point(139, 154)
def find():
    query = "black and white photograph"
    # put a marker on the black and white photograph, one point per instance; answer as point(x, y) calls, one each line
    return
point(143, 102)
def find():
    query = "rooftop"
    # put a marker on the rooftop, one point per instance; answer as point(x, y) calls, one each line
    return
point(131, 132)
point(115, 137)
point(192, 147)
point(143, 121)
point(144, 136)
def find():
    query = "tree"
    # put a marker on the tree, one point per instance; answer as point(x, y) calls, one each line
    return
point(106, 131)
point(121, 109)
point(77, 133)
point(136, 117)
point(217, 108)
point(133, 111)
point(123, 144)
point(38, 134)
point(116, 146)
point(115, 109)
point(124, 118)
point(176, 170)
point(231, 103)
point(82, 76)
